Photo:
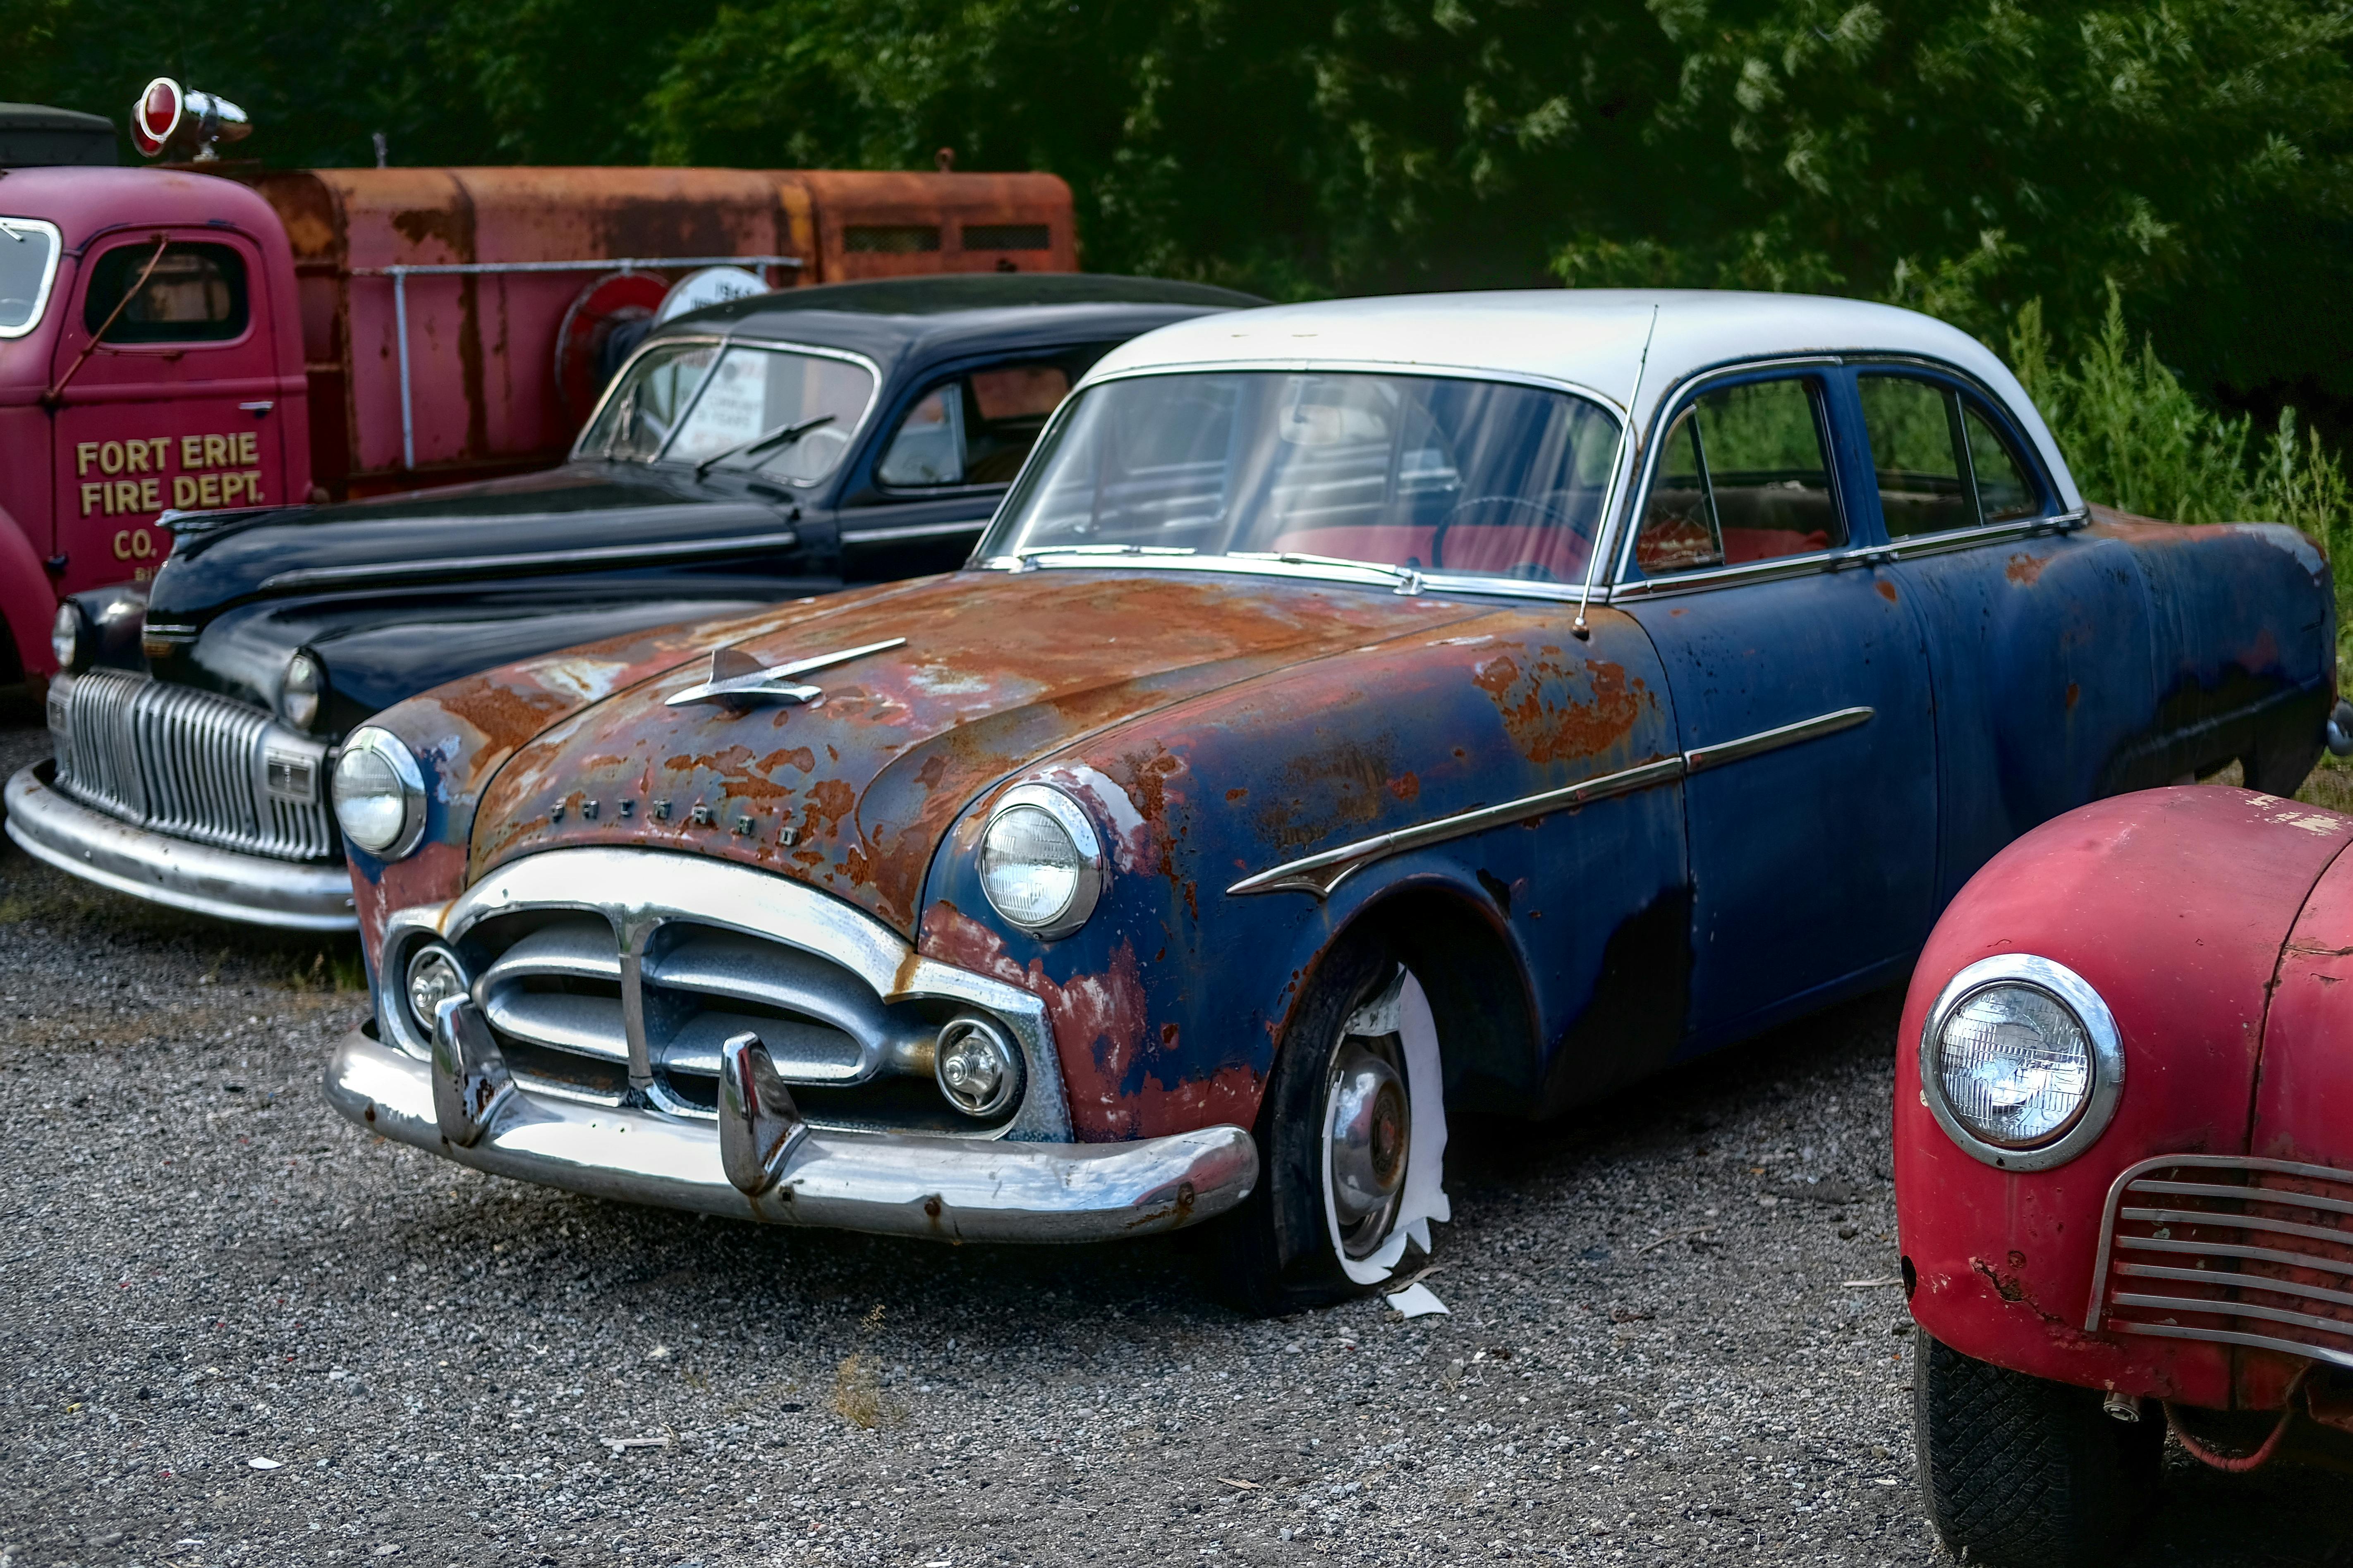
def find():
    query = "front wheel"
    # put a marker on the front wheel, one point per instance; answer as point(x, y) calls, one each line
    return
point(2016, 1470)
point(1351, 1132)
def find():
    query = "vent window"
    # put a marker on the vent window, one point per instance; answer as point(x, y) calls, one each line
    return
point(890, 238)
point(1006, 236)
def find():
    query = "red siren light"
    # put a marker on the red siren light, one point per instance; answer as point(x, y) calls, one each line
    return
point(172, 120)
point(155, 116)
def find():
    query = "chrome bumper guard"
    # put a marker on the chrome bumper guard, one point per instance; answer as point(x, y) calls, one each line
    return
point(161, 868)
point(464, 1106)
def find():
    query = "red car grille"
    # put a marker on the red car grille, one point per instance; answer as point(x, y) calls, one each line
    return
point(2231, 1250)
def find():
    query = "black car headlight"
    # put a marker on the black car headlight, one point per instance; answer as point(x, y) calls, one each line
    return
point(69, 638)
point(302, 690)
point(379, 794)
point(2021, 1062)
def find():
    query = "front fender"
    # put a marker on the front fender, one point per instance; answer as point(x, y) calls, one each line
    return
point(2173, 904)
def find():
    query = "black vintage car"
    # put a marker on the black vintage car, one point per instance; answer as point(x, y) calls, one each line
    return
point(779, 445)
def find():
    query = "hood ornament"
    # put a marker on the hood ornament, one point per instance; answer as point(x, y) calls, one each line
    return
point(738, 679)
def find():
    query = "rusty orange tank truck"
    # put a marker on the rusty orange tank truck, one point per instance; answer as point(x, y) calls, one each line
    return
point(211, 334)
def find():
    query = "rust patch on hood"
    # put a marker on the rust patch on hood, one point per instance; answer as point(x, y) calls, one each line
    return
point(853, 791)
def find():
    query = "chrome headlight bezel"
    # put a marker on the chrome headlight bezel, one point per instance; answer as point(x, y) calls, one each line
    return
point(69, 638)
point(409, 780)
point(2072, 991)
point(302, 690)
point(1071, 818)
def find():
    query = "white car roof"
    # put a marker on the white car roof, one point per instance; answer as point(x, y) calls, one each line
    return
point(1587, 339)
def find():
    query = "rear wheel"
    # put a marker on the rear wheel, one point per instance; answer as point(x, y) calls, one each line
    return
point(1336, 1144)
point(2016, 1470)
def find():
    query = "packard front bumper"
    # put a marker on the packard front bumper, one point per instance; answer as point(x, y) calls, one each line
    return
point(951, 1189)
point(164, 869)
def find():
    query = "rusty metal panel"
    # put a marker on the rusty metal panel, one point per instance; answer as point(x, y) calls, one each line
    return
point(874, 224)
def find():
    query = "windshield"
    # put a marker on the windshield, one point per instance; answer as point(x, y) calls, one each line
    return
point(1428, 473)
point(686, 403)
point(28, 266)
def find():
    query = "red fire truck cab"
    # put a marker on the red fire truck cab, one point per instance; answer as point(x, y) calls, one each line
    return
point(221, 335)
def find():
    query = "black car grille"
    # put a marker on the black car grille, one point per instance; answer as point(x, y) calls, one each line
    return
point(191, 765)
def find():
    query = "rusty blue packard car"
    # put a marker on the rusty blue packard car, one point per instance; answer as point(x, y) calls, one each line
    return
point(1355, 711)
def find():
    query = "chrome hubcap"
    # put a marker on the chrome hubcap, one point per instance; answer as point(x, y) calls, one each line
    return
point(1368, 1132)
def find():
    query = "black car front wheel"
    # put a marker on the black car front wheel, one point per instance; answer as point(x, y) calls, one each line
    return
point(1336, 1137)
point(2018, 1472)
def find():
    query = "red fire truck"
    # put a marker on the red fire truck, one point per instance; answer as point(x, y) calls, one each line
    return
point(211, 333)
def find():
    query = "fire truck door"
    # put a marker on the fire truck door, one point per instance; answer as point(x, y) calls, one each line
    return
point(178, 405)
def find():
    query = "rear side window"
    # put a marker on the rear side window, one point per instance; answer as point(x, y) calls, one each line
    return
point(1940, 463)
point(975, 430)
point(1744, 475)
point(192, 293)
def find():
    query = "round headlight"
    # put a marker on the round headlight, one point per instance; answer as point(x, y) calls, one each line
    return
point(1040, 864)
point(976, 1066)
point(379, 794)
point(2021, 1062)
point(302, 690)
point(66, 636)
point(433, 978)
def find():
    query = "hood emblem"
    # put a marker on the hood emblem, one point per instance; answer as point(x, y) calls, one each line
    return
point(738, 679)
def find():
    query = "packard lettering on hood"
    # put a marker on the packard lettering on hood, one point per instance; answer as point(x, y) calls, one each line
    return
point(1311, 747)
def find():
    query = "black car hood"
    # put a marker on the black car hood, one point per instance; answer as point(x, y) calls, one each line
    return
point(567, 520)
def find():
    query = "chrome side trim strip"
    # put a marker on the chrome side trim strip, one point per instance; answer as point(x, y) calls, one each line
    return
point(527, 561)
point(1700, 758)
point(1319, 873)
point(1858, 555)
point(911, 531)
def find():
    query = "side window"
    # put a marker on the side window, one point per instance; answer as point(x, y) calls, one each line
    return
point(975, 430)
point(1744, 475)
point(1922, 488)
point(190, 294)
point(1941, 463)
point(2004, 492)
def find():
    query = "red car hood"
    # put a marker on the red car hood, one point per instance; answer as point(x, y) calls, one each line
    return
point(853, 792)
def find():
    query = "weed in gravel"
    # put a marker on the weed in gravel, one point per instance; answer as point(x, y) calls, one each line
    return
point(858, 1396)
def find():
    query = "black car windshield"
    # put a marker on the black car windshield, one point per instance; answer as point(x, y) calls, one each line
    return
point(685, 401)
point(1431, 474)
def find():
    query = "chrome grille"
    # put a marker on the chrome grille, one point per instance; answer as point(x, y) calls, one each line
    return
point(191, 765)
point(2236, 1251)
point(557, 989)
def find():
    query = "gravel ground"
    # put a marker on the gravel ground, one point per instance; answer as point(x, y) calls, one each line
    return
point(1672, 1339)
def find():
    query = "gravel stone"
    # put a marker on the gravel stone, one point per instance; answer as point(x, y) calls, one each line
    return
point(1656, 1352)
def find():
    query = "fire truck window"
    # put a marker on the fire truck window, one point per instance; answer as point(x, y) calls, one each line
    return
point(193, 294)
point(28, 258)
point(976, 431)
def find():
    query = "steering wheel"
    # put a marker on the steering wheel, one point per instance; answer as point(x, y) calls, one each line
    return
point(1528, 570)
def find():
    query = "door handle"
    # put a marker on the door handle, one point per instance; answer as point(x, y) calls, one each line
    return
point(257, 409)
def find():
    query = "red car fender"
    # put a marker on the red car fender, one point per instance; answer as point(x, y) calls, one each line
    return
point(29, 600)
point(2173, 904)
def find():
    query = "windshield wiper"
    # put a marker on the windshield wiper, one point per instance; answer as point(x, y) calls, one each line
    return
point(1406, 576)
point(781, 435)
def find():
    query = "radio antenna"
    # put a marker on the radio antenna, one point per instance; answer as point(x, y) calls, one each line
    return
point(1610, 502)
